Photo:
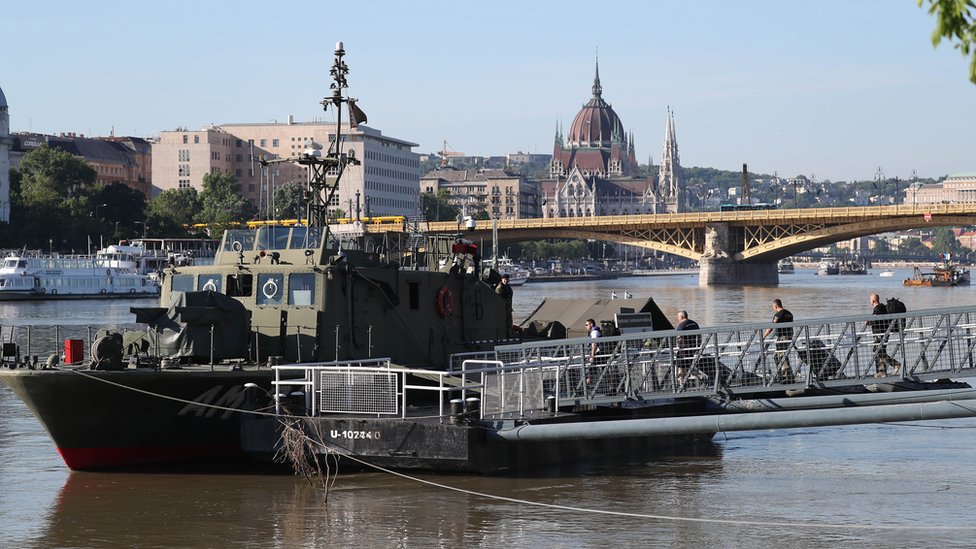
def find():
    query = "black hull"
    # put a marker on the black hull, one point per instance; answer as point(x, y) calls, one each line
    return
point(432, 446)
point(101, 419)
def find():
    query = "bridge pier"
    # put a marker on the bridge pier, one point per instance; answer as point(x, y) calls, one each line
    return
point(717, 271)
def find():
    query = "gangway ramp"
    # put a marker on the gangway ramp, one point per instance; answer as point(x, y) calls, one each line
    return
point(726, 362)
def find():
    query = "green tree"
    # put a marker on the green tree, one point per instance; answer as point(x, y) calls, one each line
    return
point(914, 247)
point(48, 177)
point(222, 203)
point(51, 202)
point(172, 212)
point(124, 210)
point(944, 241)
point(437, 207)
point(955, 21)
point(288, 201)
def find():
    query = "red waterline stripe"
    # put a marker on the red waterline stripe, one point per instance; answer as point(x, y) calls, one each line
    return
point(93, 458)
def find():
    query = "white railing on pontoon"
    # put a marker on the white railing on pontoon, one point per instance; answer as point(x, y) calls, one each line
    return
point(518, 380)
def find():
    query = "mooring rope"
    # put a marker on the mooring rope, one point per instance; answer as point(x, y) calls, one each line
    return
point(628, 514)
point(673, 518)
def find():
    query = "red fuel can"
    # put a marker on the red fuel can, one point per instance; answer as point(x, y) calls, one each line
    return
point(74, 351)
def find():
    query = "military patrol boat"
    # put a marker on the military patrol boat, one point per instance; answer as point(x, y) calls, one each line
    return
point(274, 294)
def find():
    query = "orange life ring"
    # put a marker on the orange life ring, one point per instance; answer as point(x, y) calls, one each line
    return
point(445, 302)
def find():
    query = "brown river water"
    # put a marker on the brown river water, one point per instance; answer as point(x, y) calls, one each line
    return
point(894, 485)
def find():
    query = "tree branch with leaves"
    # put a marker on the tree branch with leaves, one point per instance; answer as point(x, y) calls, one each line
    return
point(956, 22)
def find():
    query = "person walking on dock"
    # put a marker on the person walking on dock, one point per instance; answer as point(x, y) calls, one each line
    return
point(784, 336)
point(880, 330)
point(687, 346)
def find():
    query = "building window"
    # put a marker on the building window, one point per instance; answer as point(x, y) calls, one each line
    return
point(184, 170)
point(274, 142)
point(186, 139)
point(184, 155)
point(263, 143)
point(196, 138)
point(238, 143)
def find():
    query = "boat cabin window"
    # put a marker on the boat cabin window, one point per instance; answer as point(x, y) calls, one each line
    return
point(182, 283)
point(301, 289)
point(272, 287)
point(244, 238)
point(273, 238)
point(10, 263)
point(240, 285)
point(210, 282)
point(304, 238)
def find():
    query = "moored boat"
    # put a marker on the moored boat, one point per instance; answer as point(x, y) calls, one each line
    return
point(852, 266)
point(30, 277)
point(504, 265)
point(828, 267)
point(785, 266)
point(944, 274)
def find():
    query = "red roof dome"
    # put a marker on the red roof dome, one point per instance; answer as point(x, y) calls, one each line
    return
point(596, 124)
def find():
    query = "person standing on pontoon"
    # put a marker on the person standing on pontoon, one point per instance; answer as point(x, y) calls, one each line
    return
point(784, 336)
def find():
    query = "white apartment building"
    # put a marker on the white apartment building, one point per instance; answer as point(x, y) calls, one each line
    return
point(387, 182)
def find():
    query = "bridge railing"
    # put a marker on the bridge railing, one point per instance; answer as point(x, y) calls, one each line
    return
point(786, 214)
point(731, 360)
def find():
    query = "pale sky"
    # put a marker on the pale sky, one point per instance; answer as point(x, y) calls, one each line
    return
point(833, 89)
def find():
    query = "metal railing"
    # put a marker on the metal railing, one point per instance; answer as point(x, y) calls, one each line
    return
point(42, 341)
point(371, 387)
point(740, 360)
point(735, 360)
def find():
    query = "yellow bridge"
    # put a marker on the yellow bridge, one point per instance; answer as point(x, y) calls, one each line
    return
point(737, 247)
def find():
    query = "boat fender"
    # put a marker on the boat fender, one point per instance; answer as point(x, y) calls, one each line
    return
point(108, 272)
point(132, 290)
point(210, 286)
point(54, 291)
point(270, 289)
point(103, 291)
point(445, 302)
point(43, 290)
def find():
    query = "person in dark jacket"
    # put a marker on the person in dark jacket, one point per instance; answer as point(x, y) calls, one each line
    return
point(687, 345)
point(504, 290)
point(880, 330)
point(784, 336)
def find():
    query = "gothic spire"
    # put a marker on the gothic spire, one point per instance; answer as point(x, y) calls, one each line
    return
point(597, 89)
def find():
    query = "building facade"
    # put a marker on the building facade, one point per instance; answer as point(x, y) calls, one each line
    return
point(5, 144)
point(385, 183)
point(498, 193)
point(582, 196)
point(955, 189)
point(125, 160)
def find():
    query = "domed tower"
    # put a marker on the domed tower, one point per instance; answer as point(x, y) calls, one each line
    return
point(5, 144)
point(596, 143)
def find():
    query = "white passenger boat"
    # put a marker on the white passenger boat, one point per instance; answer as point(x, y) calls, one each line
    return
point(72, 277)
point(152, 255)
point(516, 274)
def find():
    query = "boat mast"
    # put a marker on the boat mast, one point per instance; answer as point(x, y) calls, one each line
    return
point(325, 171)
